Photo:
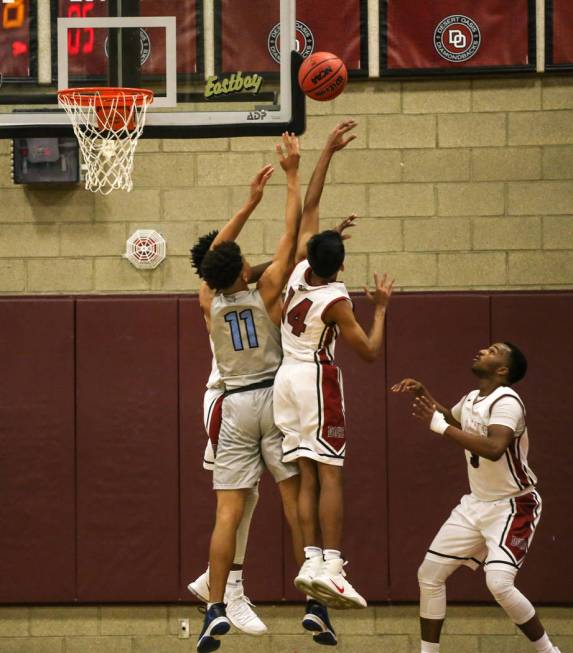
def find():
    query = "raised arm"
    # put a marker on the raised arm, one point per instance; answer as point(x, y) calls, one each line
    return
point(368, 347)
point(337, 140)
point(493, 447)
point(274, 278)
point(235, 225)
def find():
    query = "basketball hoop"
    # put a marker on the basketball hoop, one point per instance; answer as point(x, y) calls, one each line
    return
point(107, 123)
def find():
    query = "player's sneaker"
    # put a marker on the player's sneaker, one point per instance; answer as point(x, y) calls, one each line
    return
point(200, 587)
point(309, 570)
point(331, 581)
point(316, 621)
point(240, 611)
point(215, 625)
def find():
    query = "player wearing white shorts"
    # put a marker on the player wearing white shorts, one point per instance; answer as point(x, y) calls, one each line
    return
point(239, 608)
point(494, 525)
point(308, 393)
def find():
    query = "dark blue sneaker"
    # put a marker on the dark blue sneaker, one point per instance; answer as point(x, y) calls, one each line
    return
point(215, 625)
point(316, 620)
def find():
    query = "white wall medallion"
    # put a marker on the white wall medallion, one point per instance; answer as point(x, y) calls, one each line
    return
point(146, 249)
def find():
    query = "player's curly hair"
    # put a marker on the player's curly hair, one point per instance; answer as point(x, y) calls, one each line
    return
point(222, 265)
point(200, 248)
point(325, 253)
point(517, 363)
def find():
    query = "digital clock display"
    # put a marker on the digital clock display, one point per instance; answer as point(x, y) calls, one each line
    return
point(15, 39)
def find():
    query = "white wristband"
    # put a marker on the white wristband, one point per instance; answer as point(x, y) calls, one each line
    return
point(438, 423)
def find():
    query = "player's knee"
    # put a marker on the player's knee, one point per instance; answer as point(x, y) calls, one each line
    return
point(230, 513)
point(500, 584)
point(432, 578)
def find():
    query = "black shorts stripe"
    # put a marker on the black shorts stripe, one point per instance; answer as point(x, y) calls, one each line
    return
point(443, 555)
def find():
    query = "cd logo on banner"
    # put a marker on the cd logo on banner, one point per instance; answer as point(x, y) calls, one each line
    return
point(304, 41)
point(457, 38)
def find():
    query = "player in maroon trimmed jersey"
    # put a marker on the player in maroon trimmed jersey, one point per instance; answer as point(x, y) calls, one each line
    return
point(494, 525)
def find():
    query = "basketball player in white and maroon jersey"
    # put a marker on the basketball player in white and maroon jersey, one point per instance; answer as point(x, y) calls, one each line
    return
point(308, 394)
point(239, 608)
point(494, 525)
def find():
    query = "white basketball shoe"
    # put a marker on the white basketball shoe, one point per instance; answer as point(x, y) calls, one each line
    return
point(200, 587)
point(239, 608)
point(309, 570)
point(331, 583)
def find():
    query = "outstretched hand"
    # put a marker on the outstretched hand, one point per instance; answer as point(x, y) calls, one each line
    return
point(423, 410)
point(336, 139)
point(259, 182)
point(289, 153)
point(409, 385)
point(382, 291)
point(347, 223)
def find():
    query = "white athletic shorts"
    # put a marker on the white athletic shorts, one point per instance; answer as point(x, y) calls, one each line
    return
point(494, 533)
point(309, 410)
point(245, 440)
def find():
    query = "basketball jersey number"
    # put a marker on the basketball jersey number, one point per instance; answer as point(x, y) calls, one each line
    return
point(246, 316)
point(297, 315)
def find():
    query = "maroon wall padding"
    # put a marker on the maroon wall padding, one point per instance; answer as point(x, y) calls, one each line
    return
point(541, 326)
point(197, 498)
point(37, 528)
point(264, 563)
point(127, 449)
point(432, 338)
point(137, 526)
point(365, 470)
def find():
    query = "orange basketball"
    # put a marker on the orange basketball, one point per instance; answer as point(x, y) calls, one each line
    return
point(323, 76)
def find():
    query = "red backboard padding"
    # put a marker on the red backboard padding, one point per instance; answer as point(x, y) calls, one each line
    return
point(37, 485)
point(127, 450)
point(541, 326)
point(130, 488)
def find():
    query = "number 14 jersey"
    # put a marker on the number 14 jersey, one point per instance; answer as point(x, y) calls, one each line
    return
point(305, 335)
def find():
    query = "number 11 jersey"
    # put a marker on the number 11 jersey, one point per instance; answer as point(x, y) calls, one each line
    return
point(305, 335)
point(246, 342)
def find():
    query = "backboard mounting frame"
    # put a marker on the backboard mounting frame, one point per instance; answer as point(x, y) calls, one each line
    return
point(288, 115)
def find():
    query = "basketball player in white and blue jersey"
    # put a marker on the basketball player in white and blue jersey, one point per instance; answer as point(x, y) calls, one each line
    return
point(240, 610)
point(494, 525)
point(244, 328)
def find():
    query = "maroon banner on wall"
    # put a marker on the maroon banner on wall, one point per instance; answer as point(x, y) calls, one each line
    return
point(559, 33)
point(449, 36)
point(250, 40)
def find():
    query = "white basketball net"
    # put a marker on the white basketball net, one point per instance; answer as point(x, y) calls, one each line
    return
point(145, 249)
point(108, 127)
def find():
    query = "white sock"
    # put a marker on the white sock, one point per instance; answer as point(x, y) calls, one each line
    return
point(430, 647)
point(332, 554)
point(312, 552)
point(235, 577)
point(543, 645)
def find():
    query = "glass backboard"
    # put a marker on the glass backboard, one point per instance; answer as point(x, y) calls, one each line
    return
point(182, 50)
